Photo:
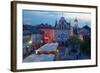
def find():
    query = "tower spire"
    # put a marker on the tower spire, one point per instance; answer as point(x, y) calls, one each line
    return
point(56, 23)
point(76, 23)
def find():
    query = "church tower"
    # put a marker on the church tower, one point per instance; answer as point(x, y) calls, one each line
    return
point(75, 28)
point(76, 23)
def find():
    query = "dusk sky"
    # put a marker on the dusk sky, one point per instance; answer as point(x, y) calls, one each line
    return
point(31, 17)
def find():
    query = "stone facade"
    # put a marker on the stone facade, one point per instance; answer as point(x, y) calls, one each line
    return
point(62, 30)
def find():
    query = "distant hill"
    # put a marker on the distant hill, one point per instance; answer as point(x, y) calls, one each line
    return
point(44, 26)
point(29, 29)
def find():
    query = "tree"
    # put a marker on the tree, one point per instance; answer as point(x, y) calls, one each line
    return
point(73, 40)
point(86, 47)
point(74, 45)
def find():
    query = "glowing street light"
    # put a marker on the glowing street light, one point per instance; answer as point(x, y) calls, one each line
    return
point(30, 42)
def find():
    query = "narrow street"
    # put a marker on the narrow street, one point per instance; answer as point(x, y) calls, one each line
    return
point(43, 57)
point(65, 53)
point(38, 58)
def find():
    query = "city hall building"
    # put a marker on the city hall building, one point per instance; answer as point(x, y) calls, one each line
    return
point(62, 30)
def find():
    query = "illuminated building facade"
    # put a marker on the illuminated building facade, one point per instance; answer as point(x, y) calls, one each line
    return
point(62, 30)
point(49, 34)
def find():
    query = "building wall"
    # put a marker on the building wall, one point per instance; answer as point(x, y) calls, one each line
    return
point(49, 35)
point(26, 38)
point(62, 35)
point(37, 38)
point(62, 30)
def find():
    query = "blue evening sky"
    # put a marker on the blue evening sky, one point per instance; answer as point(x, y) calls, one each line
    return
point(31, 17)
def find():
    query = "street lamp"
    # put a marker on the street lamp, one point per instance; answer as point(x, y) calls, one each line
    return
point(30, 42)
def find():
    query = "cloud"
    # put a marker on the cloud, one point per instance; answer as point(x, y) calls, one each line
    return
point(38, 17)
point(82, 16)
